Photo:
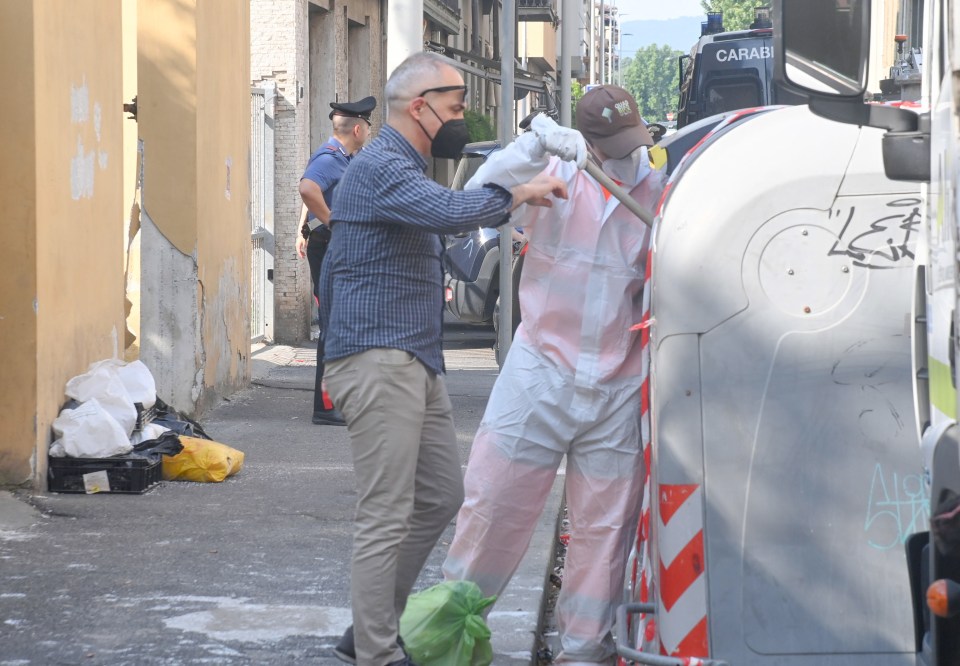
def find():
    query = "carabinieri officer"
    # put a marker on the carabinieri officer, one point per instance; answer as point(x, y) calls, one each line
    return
point(351, 129)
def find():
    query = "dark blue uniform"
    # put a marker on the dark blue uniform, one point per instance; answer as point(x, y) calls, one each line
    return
point(325, 168)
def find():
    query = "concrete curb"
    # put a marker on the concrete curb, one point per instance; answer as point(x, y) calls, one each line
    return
point(16, 514)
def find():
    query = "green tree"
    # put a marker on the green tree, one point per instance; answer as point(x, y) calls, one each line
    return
point(737, 14)
point(576, 92)
point(479, 126)
point(652, 77)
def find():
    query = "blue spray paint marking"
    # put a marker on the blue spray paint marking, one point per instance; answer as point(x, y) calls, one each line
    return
point(899, 505)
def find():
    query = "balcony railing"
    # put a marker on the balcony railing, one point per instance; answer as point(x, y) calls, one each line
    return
point(537, 10)
point(444, 13)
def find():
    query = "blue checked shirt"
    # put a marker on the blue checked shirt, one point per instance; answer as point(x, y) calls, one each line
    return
point(382, 280)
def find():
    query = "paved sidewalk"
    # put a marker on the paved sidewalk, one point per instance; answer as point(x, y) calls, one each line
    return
point(250, 571)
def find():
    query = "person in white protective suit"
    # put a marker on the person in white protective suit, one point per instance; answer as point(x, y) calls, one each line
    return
point(571, 382)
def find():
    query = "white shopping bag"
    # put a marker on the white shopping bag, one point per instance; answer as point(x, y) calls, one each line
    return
point(139, 382)
point(102, 381)
point(88, 431)
point(149, 431)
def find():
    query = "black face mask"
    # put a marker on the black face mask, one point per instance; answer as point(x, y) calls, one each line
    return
point(450, 138)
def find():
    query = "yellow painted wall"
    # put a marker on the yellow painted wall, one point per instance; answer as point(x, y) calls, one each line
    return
point(167, 79)
point(541, 42)
point(61, 308)
point(882, 46)
point(223, 168)
point(67, 184)
point(131, 163)
point(18, 284)
point(194, 124)
point(79, 206)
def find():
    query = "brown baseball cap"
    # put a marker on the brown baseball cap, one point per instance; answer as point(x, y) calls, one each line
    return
point(609, 119)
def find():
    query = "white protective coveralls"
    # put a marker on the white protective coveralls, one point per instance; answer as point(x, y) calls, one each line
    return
point(570, 386)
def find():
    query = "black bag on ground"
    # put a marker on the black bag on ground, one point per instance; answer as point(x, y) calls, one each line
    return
point(171, 419)
point(167, 444)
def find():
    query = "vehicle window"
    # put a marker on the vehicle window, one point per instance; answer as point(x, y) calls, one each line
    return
point(465, 170)
point(473, 164)
point(722, 95)
point(459, 176)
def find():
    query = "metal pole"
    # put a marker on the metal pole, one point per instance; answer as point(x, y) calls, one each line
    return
point(507, 41)
point(616, 75)
point(569, 18)
point(593, 41)
point(404, 30)
point(618, 192)
point(620, 57)
point(603, 43)
point(524, 105)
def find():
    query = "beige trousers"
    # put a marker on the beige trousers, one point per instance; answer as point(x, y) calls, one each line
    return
point(409, 484)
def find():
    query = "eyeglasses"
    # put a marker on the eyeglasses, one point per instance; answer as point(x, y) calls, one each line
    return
point(443, 89)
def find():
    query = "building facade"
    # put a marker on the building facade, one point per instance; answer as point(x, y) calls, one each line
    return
point(318, 51)
point(128, 179)
point(90, 184)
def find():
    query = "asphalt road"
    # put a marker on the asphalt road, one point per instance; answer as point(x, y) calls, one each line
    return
point(248, 571)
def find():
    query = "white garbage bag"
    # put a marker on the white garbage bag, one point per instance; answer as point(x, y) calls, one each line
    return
point(88, 431)
point(149, 431)
point(102, 381)
point(139, 382)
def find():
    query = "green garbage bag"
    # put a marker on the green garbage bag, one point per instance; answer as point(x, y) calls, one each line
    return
point(443, 626)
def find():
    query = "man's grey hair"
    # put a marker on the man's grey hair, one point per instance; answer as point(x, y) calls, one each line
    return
point(407, 80)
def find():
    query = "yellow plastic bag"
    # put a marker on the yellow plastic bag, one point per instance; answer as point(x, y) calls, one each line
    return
point(202, 460)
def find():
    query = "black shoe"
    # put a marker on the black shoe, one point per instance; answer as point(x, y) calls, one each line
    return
point(329, 417)
point(346, 652)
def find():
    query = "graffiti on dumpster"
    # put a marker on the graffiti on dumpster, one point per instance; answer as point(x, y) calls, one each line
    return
point(881, 243)
point(898, 506)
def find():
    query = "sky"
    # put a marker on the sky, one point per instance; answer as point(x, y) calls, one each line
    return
point(642, 20)
point(657, 10)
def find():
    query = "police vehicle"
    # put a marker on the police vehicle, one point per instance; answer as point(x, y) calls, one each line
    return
point(729, 70)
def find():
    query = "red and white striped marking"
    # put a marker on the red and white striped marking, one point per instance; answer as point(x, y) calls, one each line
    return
point(648, 626)
point(680, 628)
point(682, 583)
point(640, 571)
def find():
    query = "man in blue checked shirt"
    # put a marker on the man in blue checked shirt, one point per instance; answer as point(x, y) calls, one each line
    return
point(381, 297)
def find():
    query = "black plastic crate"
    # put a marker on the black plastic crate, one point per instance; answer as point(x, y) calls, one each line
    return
point(144, 416)
point(125, 474)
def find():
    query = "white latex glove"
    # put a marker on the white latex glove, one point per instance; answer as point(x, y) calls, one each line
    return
point(567, 144)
